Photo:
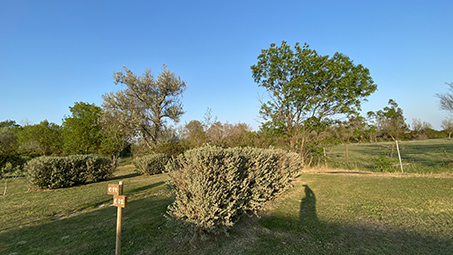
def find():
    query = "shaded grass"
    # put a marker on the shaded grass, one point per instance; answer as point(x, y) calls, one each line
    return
point(423, 156)
point(322, 214)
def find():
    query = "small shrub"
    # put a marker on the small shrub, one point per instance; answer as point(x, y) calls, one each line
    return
point(59, 172)
point(151, 164)
point(214, 187)
point(9, 161)
point(383, 163)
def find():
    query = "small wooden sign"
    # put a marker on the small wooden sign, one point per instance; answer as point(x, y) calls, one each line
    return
point(115, 189)
point(120, 201)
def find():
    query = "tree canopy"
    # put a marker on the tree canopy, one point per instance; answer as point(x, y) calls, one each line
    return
point(81, 130)
point(143, 108)
point(390, 121)
point(306, 89)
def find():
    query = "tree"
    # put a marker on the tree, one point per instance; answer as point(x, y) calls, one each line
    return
point(421, 128)
point(40, 139)
point(8, 124)
point(144, 106)
point(194, 133)
point(8, 141)
point(390, 121)
point(447, 125)
point(305, 88)
point(446, 100)
point(81, 130)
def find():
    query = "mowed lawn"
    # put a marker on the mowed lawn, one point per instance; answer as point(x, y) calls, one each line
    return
point(324, 213)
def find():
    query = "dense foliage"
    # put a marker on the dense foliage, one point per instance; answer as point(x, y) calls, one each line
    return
point(143, 108)
point(59, 172)
point(214, 187)
point(151, 164)
point(82, 130)
point(307, 91)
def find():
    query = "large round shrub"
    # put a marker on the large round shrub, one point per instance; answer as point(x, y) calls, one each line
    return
point(214, 187)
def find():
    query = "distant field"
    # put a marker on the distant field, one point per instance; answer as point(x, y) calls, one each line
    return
point(337, 213)
point(423, 156)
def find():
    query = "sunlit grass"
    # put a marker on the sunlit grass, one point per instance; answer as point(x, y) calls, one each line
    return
point(423, 156)
point(322, 214)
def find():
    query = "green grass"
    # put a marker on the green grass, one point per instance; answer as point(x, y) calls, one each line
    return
point(322, 214)
point(422, 156)
point(365, 214)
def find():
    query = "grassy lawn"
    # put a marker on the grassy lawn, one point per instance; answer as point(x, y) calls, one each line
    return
point(323, 214)
point(423, 156)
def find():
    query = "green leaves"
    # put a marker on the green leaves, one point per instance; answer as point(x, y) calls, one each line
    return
point(151, 164)
point(145, 105)
point(214, 187)
point(60, 172)
point(303, 85)
point(81, 130)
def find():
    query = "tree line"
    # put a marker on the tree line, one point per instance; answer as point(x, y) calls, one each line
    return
point(312, 101)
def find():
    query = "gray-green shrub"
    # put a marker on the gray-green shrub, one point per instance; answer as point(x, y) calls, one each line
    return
point(59, 172)
point(151, 164)
point(214, 187)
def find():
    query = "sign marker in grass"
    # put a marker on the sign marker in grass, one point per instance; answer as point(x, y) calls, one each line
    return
point(119, 201)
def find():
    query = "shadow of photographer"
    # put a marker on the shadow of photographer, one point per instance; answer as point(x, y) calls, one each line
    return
point(307, 214)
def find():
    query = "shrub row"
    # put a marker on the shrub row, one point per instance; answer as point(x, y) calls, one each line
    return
point(214, 187)
point(151, 164)
point(59, 172)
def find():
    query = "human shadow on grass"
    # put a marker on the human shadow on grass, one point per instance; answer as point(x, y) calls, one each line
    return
point(310, 235)
point(307, 212)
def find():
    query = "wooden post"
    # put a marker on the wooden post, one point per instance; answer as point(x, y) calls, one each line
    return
point(119, 201)
point(118, 223)
point(399, 156)
point(118, 232)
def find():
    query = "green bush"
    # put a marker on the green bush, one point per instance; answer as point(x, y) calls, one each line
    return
point(100, 168)
point(214, 187)
point(9, 161)
point(151, 164)
point(59, 172)
point(383, 163)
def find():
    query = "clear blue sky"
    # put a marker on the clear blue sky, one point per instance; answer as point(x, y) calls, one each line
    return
point(55, 53)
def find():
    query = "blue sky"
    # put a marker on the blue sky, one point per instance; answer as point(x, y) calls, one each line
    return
point(55, 53)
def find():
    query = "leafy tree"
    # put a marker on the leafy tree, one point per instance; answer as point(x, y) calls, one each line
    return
point(390, 121)
point(194, 133)
point(81, 130)
point(8, 124)
point(447, 125)
point(8, 141)
point(143, 108)
point(305, 88)
point(446, 100)
point(9, 158)
point(112, 143)
point(41, 139)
